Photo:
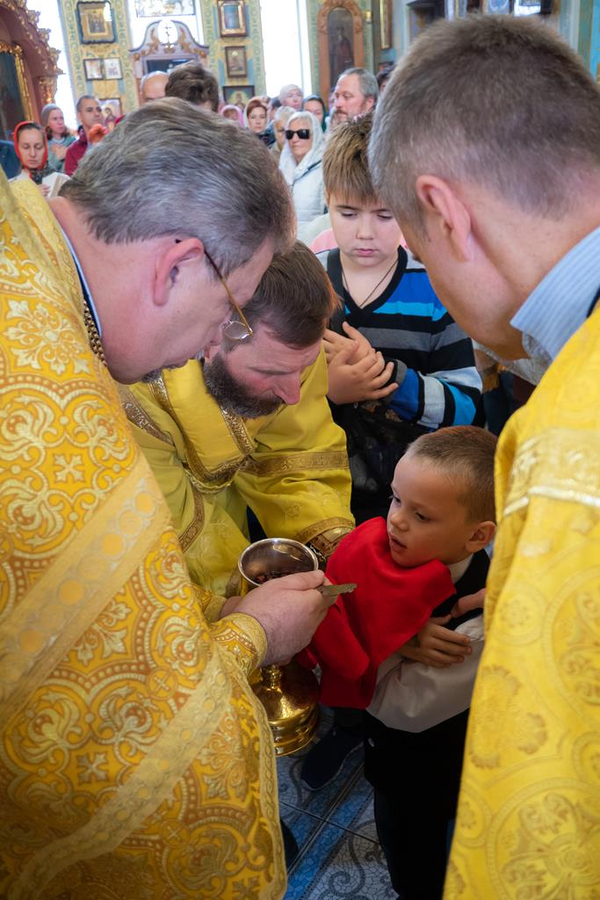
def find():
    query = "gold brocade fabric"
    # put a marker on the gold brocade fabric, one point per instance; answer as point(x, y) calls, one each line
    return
point(528, 823)
point(290, 468)
point(135, 763)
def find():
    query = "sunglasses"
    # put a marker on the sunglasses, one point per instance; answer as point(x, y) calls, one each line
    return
point(303, 133)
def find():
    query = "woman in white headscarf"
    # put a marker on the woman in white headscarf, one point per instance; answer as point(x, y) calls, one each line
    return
point(302, 164)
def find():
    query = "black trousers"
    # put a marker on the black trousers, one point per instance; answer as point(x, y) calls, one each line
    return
point(416, 778)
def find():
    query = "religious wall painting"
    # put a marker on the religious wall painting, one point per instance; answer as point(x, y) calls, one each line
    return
point(232, 18)
point(152, 9)
point(96, 22)
point(339, 32)
point(111, 107)
point(15, 106)
point(239, 95)
point(112, 68)
point(385, 24)
point(93, 69)
point(235, 59)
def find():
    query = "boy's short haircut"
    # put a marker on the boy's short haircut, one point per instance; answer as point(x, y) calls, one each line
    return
point(194, 83)
point(465, 453)
point(345, 166)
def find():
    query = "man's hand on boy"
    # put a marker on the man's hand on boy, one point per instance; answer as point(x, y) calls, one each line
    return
point(437, 646)
point(352, 382)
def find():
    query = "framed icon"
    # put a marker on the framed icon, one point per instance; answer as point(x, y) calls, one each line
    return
point(93, 69)
point(238, 94)
point(112, 105)
point(235, 59)
point(232, 18)
point(112, 68)
point(96, 22)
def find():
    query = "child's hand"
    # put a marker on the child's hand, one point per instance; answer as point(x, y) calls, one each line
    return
point(466, 604)
point(334, 342)
point(351, 381)
point(438, 646)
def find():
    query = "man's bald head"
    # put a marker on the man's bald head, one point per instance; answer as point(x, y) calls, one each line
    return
point(153, 86)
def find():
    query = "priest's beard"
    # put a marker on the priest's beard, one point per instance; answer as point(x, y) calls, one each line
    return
point(233, 395)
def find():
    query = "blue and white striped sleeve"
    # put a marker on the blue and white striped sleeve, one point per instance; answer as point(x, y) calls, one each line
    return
point(446, 387)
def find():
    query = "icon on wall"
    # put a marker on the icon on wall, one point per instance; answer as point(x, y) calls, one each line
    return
point(235, 58)
point(112, 68)
point(93, 69)
point(385, 24)
point(96, 22)
point(111, 110)
point(232, 18)
point(239, 95)
point(155, 8)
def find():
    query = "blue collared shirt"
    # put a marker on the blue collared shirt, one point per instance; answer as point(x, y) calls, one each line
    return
point(561, 302)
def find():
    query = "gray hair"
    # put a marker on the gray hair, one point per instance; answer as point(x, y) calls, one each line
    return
point(366, 80)
point(283, 113)
point(172, 169)
point(287, 89)
point(490, 100)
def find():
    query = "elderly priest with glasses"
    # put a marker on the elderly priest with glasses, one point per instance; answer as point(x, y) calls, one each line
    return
point(135, 761)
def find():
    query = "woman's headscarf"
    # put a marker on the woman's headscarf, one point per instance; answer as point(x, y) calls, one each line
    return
point(287, 162)
point(238, 112)
point(36, 175)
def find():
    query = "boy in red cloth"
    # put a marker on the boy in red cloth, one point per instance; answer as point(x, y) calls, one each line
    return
point(422, 560)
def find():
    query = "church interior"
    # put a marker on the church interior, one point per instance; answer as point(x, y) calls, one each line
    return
point(55, 52)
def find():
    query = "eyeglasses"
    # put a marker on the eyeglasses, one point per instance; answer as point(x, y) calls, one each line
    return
point(235, 329)
point(303, 133)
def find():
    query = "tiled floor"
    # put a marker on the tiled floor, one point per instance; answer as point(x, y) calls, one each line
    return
point(339, 856)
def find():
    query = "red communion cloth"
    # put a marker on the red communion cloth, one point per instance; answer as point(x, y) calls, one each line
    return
point(364, 627)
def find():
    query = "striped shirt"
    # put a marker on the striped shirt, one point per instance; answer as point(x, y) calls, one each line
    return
point(433, 358)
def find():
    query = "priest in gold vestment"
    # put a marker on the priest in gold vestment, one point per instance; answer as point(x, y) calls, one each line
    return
point(270, 444)
point(135, 763)
point(508, 225)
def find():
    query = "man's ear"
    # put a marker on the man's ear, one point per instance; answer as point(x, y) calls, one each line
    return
point(481, 536)
point(170, 257)
point(446, 212)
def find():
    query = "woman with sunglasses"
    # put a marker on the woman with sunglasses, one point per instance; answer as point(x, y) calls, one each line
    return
point(301, 164)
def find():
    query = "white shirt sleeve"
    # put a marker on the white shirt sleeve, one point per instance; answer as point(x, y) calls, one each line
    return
point(413, 697)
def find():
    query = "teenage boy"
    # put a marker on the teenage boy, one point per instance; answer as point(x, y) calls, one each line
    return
point(399, 366)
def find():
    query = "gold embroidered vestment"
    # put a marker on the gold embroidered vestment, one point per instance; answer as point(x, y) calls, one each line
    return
point(291, 468)
point(135, 763)
point(528, 823)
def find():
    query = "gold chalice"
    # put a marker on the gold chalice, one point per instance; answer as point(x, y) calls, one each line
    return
point(289, 694)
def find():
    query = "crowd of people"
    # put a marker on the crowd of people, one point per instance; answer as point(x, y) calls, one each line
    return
point(179, 371)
